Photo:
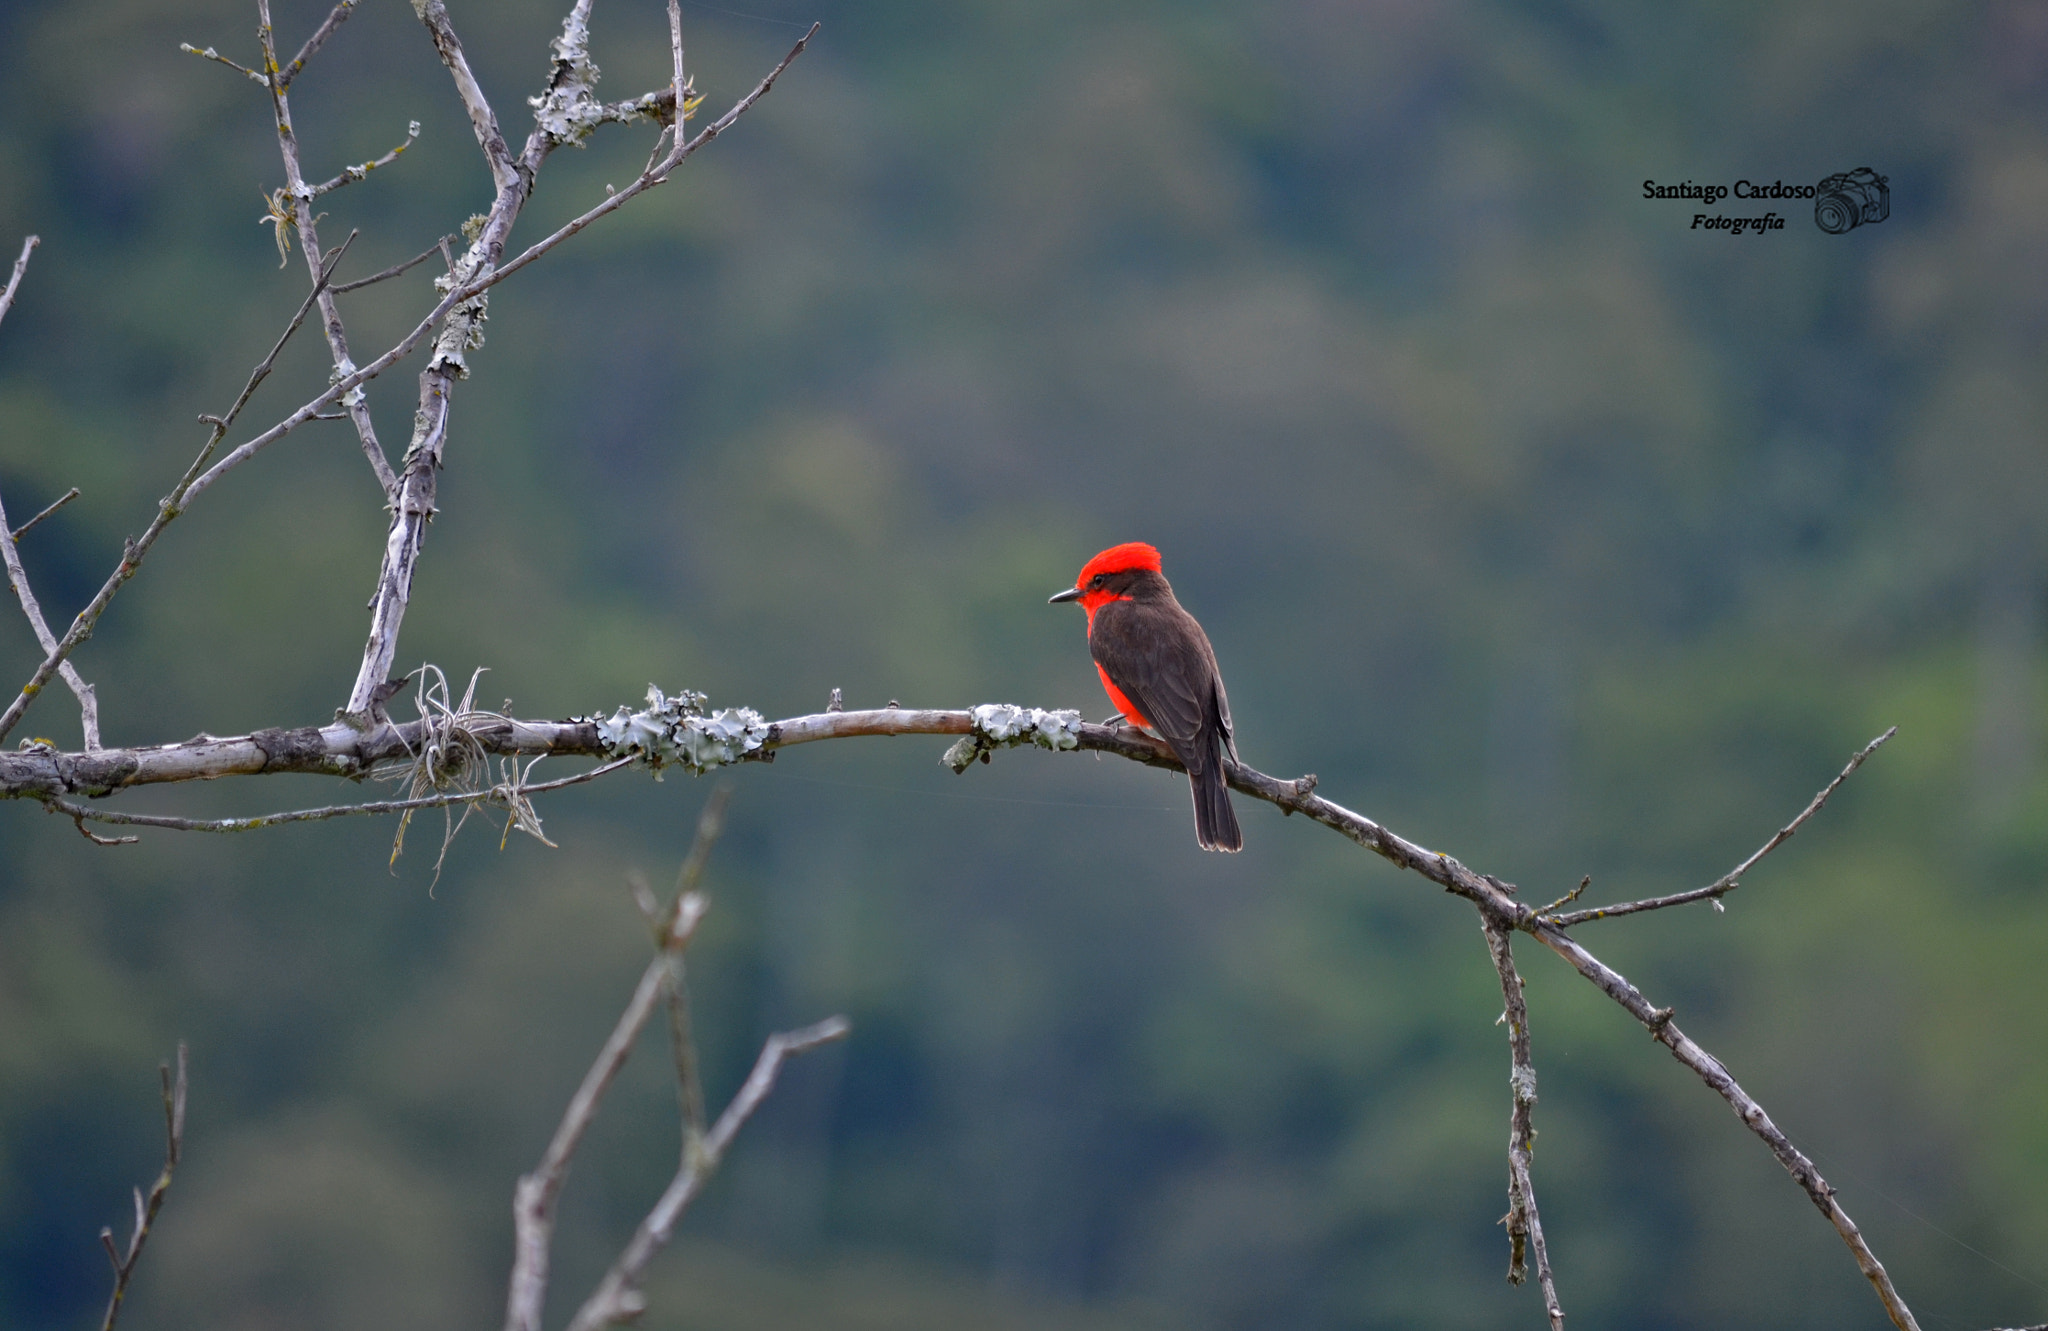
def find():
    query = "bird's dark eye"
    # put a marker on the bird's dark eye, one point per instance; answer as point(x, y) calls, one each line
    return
point(1098, 580)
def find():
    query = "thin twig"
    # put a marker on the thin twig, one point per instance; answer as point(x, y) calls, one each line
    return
point(1568, 898)
point(145, 1211)
point(60, 501)
point(676, 989)
point(391, 272)
point(351, 174)
point(17, 579)
point(168, 510)
point(659, 173)
point(210, 54)
point(298, 198)
point(533, 1205)
point(1731, 880)
point(471, 287)
point(335, 18)
point(1525, 1224)
point(617, 1297)
point(28, 247)
point(500, 794)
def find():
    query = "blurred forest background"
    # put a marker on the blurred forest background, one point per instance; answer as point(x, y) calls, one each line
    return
point(1545, 529)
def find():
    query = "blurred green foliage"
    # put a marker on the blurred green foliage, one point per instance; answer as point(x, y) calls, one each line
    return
point(1547, 530)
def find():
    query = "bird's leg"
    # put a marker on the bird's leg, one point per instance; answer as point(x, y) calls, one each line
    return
point(1115, 718)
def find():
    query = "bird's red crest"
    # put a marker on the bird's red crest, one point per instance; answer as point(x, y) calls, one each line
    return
point(1120, 559)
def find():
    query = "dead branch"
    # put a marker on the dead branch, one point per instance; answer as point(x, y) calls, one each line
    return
point(55, 504)
point(1727, 882)
point(563, 114)
point(168, 510)
point(335, 18)
point(1524, 1224)
point(146, 1209)
point(394, 270)
point(10, 556)
point(17, 581)
point(507, 795)
point(534, 1200)
point(351, 174)
point(210, 54)
point(297, 201)
point(658, 173)
point(617, 1297)
point(28, 247)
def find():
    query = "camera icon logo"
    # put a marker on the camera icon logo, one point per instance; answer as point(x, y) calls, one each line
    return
point(1846, 201)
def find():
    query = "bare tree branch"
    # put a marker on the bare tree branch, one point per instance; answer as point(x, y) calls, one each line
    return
point(468, 288)
point(28, 247)
point(298, 200)
point(1729, 881)
point(676, 989)
point(52, 507)
point(658, 173)
point(351, 174)
point(145, 1210)
point(10, 556)
point(679, 84)
point(434, 14)
point(533, 1202)
point(413, 495)
point(1525, 1225)
point(1660, 1025)
point(210, 54)
point(415, 504)
point(335, 18)
point(394, 270)
point(17, 580)
point(617, 1297)
point(168, 510)
point(503, 794)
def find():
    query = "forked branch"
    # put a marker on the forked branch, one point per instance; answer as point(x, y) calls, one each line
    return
point(1731, 880)
point(125, 1261)
point(10, 556)
point(617, 1297)
point(168, 509)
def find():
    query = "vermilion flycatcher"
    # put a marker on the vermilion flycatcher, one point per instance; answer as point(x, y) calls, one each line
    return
point(1160, 673)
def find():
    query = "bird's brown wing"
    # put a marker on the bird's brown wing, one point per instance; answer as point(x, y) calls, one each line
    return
point(1158, 655)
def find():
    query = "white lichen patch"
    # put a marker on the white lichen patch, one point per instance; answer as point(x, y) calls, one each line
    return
point(678, 730)
point(568, 110)
point(1000, 725)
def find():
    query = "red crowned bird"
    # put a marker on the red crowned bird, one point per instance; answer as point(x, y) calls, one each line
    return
point(1160, 673)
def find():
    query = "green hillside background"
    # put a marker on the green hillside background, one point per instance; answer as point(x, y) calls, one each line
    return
point(1545, 529)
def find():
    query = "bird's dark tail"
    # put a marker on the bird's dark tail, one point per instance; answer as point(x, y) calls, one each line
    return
point(1215, 820)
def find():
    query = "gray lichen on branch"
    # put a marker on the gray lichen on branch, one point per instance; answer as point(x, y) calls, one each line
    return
point(1004, 726)
point(678, 731)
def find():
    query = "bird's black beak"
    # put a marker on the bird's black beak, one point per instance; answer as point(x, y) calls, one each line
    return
point(1070, 594)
